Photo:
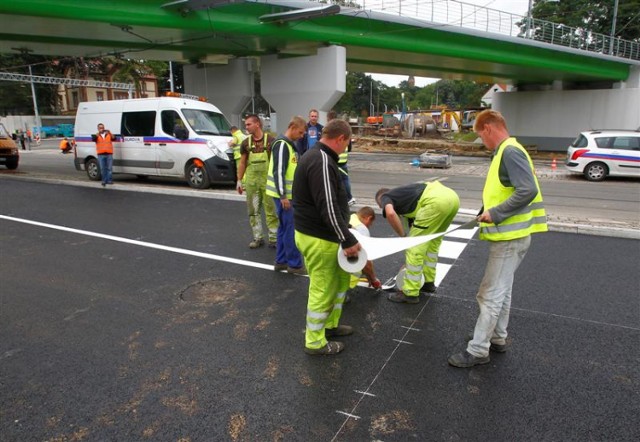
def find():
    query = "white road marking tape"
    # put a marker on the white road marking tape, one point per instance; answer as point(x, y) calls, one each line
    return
point(348, 414)
point(410, 328)
point(365, 393)
point(143, 243)
point(403, 342)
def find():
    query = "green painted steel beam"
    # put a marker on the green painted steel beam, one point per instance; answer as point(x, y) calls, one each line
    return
point(235, 30)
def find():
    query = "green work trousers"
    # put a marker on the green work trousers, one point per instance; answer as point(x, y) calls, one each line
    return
point(436, 209)
point(255, 184)
point(328, 285)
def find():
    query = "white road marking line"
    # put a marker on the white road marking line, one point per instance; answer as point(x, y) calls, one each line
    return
point(451, 249)
point(410, 328)
point(142, 243)
point(365, 393)
point(348, 414)
point(403, 342)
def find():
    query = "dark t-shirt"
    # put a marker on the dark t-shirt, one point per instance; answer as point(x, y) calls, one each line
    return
point(404, 198)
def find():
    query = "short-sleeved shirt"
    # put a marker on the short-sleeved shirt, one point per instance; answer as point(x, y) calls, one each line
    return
point(404, 198)
point(257, 146)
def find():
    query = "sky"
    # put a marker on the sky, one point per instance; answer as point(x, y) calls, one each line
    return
point(513, 6)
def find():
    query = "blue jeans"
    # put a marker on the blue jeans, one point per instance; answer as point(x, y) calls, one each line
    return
point(286, 250)
point(106, 165)
point(494, 295)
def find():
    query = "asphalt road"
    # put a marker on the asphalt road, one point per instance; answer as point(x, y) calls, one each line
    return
point(568, 198)
point(106, 338)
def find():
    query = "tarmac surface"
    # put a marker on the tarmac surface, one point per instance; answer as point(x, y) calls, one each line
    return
point(111, 338)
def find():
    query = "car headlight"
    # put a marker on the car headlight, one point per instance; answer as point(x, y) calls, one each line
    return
point(217, 151)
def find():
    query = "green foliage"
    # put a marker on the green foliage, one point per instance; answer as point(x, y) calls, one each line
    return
point(15, 97)
point(594, 16)
point(362, 90)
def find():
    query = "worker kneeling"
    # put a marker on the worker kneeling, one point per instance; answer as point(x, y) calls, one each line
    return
point(425, 208)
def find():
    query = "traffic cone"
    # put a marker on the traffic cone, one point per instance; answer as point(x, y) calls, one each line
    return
point(554, 164)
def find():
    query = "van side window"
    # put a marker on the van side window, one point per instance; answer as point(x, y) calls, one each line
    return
point(138, 124)
point(171, 122)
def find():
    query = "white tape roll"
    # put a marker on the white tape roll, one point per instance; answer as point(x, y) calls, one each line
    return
point(352, 265)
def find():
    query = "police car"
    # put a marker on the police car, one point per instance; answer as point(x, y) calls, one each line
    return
point(601, 153)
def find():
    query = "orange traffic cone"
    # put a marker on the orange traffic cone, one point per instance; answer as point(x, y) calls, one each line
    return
point(554, 165)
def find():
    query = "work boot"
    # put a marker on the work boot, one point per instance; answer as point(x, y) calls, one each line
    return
point(466, 360)
point(428, 287)
point(352, 202)
point(498, 348)
point(341, 330)
point(332, 348)
point(280, 267)
point(401, 297)
point(297, 271)
point(256, 243)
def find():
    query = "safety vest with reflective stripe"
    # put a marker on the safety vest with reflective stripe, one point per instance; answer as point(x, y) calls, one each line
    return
point(104, 144)
point(238, 138)
point(530, 219)
point(288, 174)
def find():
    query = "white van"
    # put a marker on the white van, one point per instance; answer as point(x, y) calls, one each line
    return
point(152, 140)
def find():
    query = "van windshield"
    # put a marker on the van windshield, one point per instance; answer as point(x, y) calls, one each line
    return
point(206, 122)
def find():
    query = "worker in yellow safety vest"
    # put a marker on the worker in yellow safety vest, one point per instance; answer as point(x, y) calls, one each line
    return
point(361, 221)
point(282, 167)
point(254, 162)
point(512, 211)
point(237, 137)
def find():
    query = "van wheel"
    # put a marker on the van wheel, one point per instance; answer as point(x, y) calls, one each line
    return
point(93, 169)
point(596, 171)
point(12, 164)
point(197, 177)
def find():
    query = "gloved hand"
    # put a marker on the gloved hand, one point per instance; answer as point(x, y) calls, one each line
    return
point(239, 187)
point(376, 284)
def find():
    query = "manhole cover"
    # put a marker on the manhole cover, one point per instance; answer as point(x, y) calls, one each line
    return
point(213, 291)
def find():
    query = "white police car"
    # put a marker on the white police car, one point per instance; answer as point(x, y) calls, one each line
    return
point(601, 153)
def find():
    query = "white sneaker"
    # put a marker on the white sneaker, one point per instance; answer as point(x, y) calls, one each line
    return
point(352, 201)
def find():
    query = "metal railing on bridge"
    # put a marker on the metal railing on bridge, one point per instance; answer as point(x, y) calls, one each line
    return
point(466, 15)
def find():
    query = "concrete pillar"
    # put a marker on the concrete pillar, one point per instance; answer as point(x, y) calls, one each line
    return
point(228, 87)
point(293, 86)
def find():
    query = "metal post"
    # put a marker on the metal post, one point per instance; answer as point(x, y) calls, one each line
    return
point(613, 26)
point(527, 32)
point(171, 76)
point(35, 108)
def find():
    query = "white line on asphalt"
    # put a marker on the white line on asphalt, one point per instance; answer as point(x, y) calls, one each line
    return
point(348, 414)
point(365, 393)
point(410, 328)
point(142, 243)
point(538, 312)
point(400, 341)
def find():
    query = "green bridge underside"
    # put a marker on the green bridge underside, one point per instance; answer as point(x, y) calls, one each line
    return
point(143, 29)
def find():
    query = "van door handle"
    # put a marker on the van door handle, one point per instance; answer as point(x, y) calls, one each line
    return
point(163, 144)
point(147, 144)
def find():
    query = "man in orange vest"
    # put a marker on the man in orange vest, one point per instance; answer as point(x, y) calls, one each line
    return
point(104, 148)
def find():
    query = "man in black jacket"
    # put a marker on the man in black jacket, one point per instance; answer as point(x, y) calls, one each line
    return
point(321, 220)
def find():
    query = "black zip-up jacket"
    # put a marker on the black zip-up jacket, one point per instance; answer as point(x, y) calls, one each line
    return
point(320, 199)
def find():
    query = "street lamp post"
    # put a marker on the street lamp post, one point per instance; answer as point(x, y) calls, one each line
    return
point(613, 26)
point(35, 108)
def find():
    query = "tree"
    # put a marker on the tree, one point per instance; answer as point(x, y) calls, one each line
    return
point(590, 16)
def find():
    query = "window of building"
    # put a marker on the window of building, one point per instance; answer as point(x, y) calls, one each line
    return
point(74, 99)
point(99, 96)
point(120, 96)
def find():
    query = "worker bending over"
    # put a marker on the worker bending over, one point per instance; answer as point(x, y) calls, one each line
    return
point(426, 208)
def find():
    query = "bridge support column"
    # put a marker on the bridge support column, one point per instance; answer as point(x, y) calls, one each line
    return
point(228, 87)
point(633, 82)
point(293, 86)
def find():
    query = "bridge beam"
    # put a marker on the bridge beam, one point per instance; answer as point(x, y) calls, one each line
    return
point(292, 86)
point(229, 87)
